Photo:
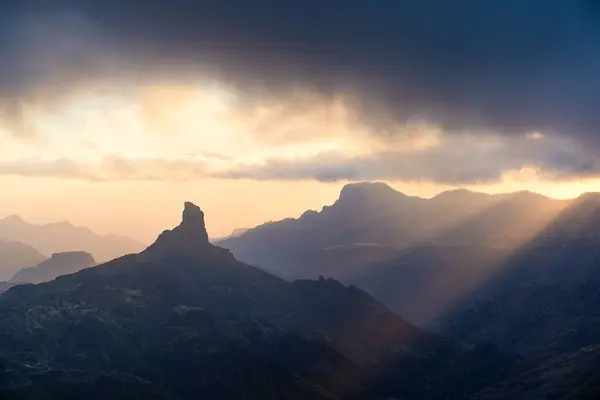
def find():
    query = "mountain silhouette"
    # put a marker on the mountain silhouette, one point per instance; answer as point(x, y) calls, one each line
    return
point(235, 233)
point(376, 213)
point(15, 256)
point(429, 258)
point(60, 237)
point(58, 264)
point(186, 319)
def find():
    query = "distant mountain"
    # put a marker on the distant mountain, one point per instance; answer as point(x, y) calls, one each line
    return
point(185, 319)
point(15, 256)
point(63, 237)
point(376, 213)
point(427, 258)
point(235, 233)
point(58, 264)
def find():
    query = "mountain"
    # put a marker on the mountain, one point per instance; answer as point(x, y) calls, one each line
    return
point(429, 258)
point(376, 213)
point(235, 233)
point(185, 319)
point(4, 286)
point(555, 327)
point(58, 264)
point(15, 256)
point(559, 317)
point(60, 237)
point(364, 213)
point(569, 376)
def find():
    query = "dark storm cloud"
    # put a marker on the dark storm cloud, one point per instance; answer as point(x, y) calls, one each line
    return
point(507, 66)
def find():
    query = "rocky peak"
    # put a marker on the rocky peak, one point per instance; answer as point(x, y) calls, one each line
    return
point(190, 236)
point(369, 193)
point(192, 223)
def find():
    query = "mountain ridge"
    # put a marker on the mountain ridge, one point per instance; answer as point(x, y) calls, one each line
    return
point(62, 236)
point(58, 264)
point(15, 256)
point(373, 212)
point(478, 244)
point(188, 317)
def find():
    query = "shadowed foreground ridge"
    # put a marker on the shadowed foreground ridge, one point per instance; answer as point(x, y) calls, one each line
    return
point(185, 319)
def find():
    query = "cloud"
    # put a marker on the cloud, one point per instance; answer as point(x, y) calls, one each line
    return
point(447, 159)
point(484, 74)
point(457, 160)
point(502, 65)
point(107, 169)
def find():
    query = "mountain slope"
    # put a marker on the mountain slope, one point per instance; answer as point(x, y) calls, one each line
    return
point(559, 317)
point(15, 256)
point(4, 286)
point(556, 328)
point(190, 319)
point(58, 264)
point(376, 213)
point(570, 376)
point(429, 258)
point(63, 237)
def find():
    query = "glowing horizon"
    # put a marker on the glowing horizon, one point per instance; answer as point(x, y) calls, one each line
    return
point(245, 163)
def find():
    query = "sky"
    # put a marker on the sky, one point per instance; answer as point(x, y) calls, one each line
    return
point(113, 113)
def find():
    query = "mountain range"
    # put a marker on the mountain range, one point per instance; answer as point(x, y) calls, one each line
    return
point(185, 319)
point(57, 265)
point(15, 256)
point(430, 258)
point(375, 213)
point(60, 237)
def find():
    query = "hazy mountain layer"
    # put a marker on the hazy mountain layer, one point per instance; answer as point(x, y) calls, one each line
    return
point(375, 213)
point(63, 237)
point(429, 258)
point(15, 256)
point(58, 264)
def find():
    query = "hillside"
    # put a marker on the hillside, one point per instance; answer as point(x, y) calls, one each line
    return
point(429, 258)
point(556, 328)
point(189, 319)
point(559, 317)
point(376, 213)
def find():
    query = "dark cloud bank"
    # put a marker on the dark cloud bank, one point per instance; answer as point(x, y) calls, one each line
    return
point(502, 66)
